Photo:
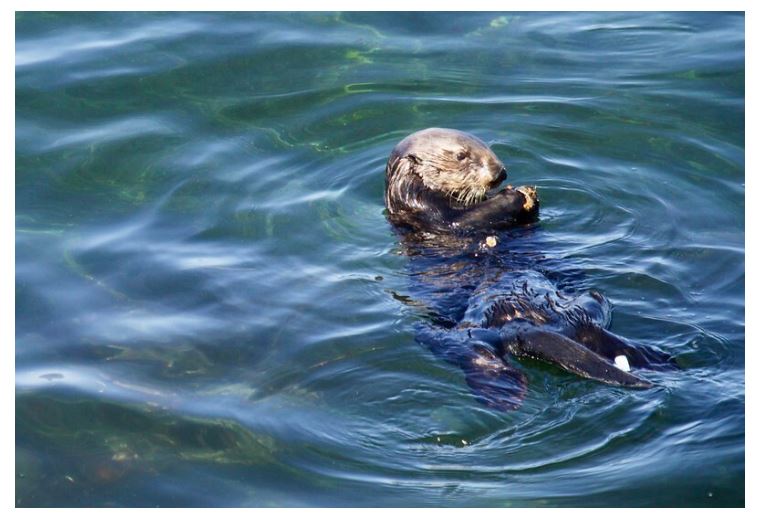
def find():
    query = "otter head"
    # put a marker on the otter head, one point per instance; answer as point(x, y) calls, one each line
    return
point(440, 166)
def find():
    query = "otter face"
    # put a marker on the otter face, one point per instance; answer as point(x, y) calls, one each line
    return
point(454, 164)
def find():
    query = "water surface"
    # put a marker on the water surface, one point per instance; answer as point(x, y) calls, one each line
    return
point(205, 276)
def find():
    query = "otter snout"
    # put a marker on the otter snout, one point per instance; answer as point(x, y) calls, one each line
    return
point(501, 176)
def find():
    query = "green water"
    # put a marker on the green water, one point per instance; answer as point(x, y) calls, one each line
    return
point(205, 276)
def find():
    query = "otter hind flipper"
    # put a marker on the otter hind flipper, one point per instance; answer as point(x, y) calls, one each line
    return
point(554, 348)
point(611, 346)
point(493, 382)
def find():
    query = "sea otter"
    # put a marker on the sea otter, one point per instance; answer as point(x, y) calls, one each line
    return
point(484, 290)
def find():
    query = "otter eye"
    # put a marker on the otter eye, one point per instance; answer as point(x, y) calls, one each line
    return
point(413, 159)
point(461, 156)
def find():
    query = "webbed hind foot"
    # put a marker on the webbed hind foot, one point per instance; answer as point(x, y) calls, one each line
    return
point(476, 351)
point(493, 382)
point(549, 346)
point(612, 346)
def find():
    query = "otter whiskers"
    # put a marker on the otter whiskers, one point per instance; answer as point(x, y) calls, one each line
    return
point(468, 195)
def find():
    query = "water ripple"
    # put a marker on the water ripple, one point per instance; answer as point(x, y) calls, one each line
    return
point(209, 296)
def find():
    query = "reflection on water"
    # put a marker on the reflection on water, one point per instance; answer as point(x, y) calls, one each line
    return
point(205, 278)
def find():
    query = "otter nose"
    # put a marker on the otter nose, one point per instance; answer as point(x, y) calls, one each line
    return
point(502, 175)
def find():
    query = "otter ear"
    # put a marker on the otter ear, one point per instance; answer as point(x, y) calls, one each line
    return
point(399, 166)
